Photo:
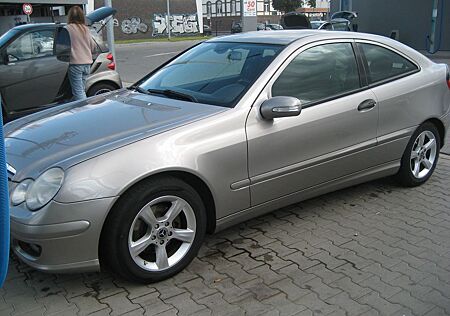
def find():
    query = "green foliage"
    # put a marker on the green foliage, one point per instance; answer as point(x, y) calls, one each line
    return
point(286, 5)
point(311, 3)
point(292, 5)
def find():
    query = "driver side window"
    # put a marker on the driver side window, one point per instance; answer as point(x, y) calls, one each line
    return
point(319, 73)
point(31, 45)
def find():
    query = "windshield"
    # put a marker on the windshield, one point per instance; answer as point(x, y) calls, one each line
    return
point(213, 73)
point(7, 36)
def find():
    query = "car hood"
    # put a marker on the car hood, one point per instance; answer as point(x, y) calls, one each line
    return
point(71, 133)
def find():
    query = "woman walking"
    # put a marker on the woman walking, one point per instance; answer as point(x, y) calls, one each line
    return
point(82, 45)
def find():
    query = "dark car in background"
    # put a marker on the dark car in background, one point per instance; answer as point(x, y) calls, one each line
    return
point(350, 16)
point(295, 21)
point(236, 27)
point(207, 30)
point(33, 77)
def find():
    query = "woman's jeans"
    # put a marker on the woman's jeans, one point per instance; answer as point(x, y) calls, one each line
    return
point(77, 78)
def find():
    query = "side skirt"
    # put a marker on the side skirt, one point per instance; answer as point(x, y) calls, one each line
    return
point(370, 174)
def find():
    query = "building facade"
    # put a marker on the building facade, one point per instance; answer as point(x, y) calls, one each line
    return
point(140, 19)
point(11, 12)
point(421, 24)
point(220, 14)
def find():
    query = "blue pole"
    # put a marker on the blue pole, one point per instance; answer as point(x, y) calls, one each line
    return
point(4, 208)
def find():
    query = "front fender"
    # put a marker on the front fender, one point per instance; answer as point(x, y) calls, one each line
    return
point(213, 150)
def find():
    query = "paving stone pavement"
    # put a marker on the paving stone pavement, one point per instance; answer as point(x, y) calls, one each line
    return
point(373, 249)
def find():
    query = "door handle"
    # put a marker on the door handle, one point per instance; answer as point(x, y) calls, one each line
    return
point(367, 105)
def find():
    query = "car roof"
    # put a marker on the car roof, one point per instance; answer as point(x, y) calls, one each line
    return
point(26, 27)
point(286, 37)
point(276, 38)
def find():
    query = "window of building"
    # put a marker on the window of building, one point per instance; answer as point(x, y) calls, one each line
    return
point(266, 5)
point(233, 7)
point(219, 7)
point(208, 8)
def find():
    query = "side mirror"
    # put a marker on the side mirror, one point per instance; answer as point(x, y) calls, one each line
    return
point(62, 45)
point(280, 107)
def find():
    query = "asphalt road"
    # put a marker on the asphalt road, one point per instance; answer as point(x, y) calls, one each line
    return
point(136, 60)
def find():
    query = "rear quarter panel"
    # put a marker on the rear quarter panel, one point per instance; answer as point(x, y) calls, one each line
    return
point(410, 101)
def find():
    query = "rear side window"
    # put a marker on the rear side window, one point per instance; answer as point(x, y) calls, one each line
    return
point(319, 73)
point(384, 64)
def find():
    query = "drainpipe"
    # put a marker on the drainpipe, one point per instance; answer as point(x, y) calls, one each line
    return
point(110, 33)
point(434, 15)
point(168, 19)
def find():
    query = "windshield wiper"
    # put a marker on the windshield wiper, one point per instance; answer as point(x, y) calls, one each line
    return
point(174, 94)
point(139, 89)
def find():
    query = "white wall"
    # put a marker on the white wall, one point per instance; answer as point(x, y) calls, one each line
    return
point(200, 14)
point(90, 6)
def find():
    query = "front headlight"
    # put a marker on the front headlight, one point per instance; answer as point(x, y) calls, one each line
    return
point(39, 192)
point(19, 194)
point(44, 188)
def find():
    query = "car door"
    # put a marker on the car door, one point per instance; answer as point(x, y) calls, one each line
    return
point(331, 138)
point(32, 75)
point(402, 104)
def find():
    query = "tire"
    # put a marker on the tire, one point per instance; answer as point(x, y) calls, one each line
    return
point(101, 87)
point(420, 157)
point(134, 249)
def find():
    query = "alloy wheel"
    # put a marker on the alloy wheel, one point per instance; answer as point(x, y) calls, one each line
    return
point(423, 154)
point(162, 233)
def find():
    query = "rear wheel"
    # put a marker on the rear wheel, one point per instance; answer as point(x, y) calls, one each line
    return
point(421, 156)
point(154, 231)
point(101, 87)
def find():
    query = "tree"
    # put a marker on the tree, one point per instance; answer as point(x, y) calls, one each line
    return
point(311, 3)
point(292, 5)
point(286, 5)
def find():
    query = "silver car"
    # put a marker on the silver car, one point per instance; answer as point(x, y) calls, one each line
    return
point(32, 78)
point(231, 129)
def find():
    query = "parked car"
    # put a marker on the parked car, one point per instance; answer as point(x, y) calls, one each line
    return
point(316, 24)
point(236, 27)
point(349, 16)
point(260, 26)
point(233, 128)
point(294, 20)
point(333, 25)
point(207, 30)
point(268, 27)
point(32, 78)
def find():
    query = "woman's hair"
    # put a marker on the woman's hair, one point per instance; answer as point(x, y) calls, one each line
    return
point(76, 16)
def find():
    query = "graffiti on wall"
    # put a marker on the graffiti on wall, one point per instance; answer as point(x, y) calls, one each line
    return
point(133, 25)
point(179, 24)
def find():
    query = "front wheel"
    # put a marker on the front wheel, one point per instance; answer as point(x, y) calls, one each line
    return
point(421, 156)
point(154, 231)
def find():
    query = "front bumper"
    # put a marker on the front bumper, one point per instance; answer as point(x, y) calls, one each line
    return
point(60, 237)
